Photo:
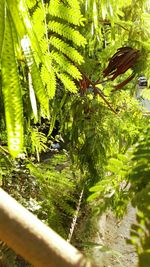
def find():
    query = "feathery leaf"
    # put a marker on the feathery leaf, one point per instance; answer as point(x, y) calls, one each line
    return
point(67, 32)
point(2, 24)
point(11, 91)
point(65, 65)
point(58, 9)
point(66, 49)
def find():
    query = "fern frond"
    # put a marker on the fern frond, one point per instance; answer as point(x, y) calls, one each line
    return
point(69, 51)
point(74, 4)
point(47, 73)
point(38, 19)
point(31, 3)
point(2, 24)
point(58, 9)
point(11, 90)
point(55, 183)
point(66, 66)
point(68, 83)
point(49, 78)
point(67, 32)
point(38, 142)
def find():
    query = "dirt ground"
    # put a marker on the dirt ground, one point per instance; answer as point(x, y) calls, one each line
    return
point(112, 234)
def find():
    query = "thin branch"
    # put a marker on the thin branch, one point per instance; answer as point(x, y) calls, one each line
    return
point(74, 221)
point(98, 91)
point(4, 150)
point(107, 22)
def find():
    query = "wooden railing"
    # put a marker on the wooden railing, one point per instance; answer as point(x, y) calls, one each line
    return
point(33, 240)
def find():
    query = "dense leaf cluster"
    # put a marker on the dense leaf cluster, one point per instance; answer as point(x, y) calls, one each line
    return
point(53, 90)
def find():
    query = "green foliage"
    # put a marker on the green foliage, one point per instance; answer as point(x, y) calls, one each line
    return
point(57, 192)
point(127, 179)
point(64, 39)
point(36, 80)
point(94, 133)
point(139, 177)
point(32, 34)
point(41, 48)
point(5, 163)
point(60, 10)
point(112, 192)
point(38, 143)
point(2, 21)
point(65, 65)
point(49, 189)
point(67, 32)
point(140, 237)
point(83, 126)
point(105, 23)
point(11, 89)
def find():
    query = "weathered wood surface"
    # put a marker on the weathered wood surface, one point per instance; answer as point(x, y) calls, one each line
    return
point(33, 240)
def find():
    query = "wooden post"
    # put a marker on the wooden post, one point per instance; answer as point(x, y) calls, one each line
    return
point(33, 240)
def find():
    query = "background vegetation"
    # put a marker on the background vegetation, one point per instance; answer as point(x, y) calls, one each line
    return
point(73, 136)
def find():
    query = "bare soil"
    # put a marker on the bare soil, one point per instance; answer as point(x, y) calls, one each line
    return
point(112, 234)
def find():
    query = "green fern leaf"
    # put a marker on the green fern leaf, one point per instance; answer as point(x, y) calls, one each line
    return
point(11, 91)
point(31, 3)
point(39, 27)
point(2, 24)
point(67, 32)
point(58, 9)
point(74, 4)
point(68, 83)
point(38, 140)
point(49, 78)
point(69, 51)
point(66, 66)
point(49, 81)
